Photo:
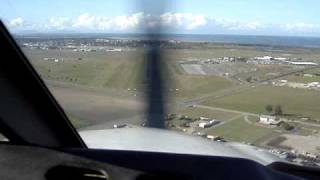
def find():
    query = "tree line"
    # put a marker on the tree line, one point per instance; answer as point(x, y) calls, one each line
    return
point(276, 110)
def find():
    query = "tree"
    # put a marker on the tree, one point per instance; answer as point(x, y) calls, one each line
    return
point(242, 59)
point(278, 110)
point(249, 79)
point(269, 108)
point(287, 126)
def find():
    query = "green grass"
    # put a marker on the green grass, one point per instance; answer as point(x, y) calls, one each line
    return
point(265, 72)
point(124, 70)
point(304, 132)
point(76, 122)
point(293, 101)
point(240, 131)
point(120, 71)
point(200, 112)
point(194, 85)
point(253, 119)
point(98, 69)
point(303, 79)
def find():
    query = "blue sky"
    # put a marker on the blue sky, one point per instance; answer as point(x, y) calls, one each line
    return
point(272, 17)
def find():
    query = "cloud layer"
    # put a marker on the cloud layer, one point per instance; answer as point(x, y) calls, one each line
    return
point(17, 22)
point(170, 22)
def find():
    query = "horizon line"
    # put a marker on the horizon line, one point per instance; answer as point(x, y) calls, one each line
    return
point(157, 34)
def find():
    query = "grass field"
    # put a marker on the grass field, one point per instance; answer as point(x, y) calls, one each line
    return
point(245, 51)
point(299, 77)
point(264, 72)
point(303, 79)
point(93, 88)
point(115, 70)
point(192, 86)
point(293, 101)
point(119, 71)
point(195, 112)
point(239, 130)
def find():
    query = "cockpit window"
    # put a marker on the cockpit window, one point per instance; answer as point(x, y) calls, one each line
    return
point(234, 73)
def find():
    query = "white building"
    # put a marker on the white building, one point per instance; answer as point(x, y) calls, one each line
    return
point(114, 50)
point(263, 58)
point(313, 84)
point(203, 118)
point(280, 58)
point(283, 81)
point(302, 63)
point(269, 120)
point(307, 75)
point(208, 124)
point(119, 125)
point(211, 137)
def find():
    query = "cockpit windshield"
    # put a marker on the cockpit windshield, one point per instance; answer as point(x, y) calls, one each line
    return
point(238, 73)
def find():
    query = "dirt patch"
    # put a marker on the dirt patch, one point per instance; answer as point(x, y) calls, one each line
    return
point(98, 108)
point(302, 144)
point(276, 142)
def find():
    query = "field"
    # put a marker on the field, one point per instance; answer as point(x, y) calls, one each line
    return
point(120, 71)
point(296, 102)
point(214, 50)
point(87, 107)
point(241, 131)
point(195, 112)
point(299, 143)
point(112, 70)
point(90, 85)
point(301, 78)
point(264, 72)
point(100, 89)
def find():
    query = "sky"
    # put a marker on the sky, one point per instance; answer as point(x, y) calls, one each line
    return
point(244, 17)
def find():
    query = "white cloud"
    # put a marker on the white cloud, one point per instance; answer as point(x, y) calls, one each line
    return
point(17, 22)
point(59, 23)
point(85, 20)
point(128, 22)
point(302, 27)
point(187, 21)
point(173, 21)
point(170, 22)
point(238, 25)
point(89, 21)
